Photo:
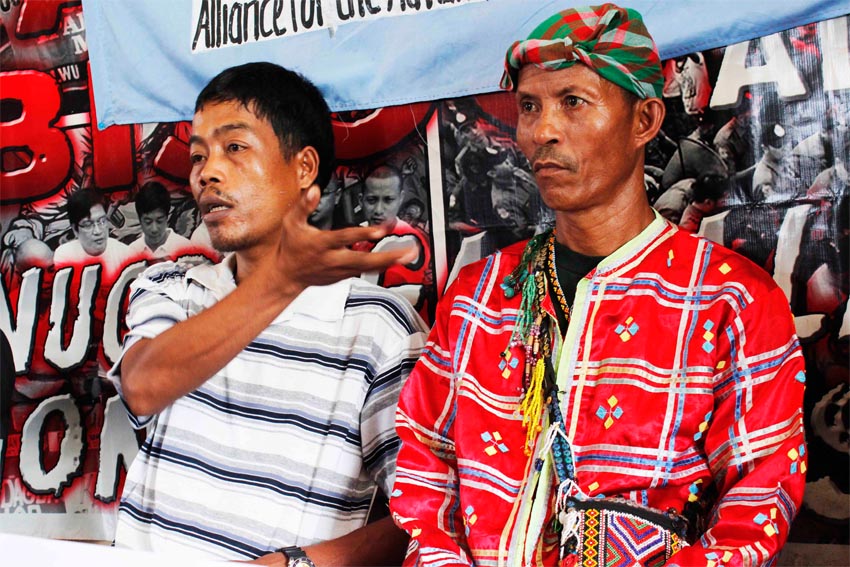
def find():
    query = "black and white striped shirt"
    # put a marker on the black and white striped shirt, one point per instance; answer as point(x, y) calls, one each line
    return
point(286, 444)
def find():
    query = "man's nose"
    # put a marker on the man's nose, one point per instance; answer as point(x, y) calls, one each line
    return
point(211, 170)
point(546, 130)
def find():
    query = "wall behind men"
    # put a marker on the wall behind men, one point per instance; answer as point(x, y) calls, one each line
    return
point(466, 189)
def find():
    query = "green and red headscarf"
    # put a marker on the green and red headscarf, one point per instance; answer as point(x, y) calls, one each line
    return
point(612, 41)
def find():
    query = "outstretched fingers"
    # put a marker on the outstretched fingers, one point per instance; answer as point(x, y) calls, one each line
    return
point(339, 261)
point(311, 256)
point(356, 262)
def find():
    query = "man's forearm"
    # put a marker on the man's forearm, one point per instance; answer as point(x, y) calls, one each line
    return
point(156, 372)
point(377, 544)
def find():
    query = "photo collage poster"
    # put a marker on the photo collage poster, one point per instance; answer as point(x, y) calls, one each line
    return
point(753, 153)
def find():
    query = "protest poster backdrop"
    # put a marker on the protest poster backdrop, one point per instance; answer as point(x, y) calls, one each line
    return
point(754, 154)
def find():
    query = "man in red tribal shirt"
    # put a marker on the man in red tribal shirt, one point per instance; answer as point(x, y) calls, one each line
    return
point(617, 391)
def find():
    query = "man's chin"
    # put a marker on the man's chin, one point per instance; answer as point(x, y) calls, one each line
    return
point(224, 244)
point(558, 195)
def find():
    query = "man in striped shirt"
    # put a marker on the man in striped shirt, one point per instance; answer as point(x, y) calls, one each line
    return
point(268, 381)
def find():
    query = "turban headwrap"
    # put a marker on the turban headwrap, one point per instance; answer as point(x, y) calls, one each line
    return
point(612, 41)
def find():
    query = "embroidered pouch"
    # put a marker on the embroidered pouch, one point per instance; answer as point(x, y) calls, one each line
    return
point(619, 534)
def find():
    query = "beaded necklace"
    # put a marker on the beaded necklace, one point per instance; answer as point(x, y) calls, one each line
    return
point(553, 278)
point(532, 329)
point(540, 394)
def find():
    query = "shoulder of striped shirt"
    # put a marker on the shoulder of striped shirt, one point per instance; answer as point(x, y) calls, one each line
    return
point(168, 278)
point(363, 293)
point(169, 270)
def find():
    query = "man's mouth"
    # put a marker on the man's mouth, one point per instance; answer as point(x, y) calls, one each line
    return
point(547, 159)
point(211, 201)
point(547, 166)
point(213, 208)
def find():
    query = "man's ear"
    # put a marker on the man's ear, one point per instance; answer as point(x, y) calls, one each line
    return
point(649, 116)
point(307, 161)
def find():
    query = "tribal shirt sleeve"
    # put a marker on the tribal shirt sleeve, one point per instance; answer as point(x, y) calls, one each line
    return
point(754, 439)
point(425, 501)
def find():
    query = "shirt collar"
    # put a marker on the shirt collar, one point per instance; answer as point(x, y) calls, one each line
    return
point(161, 246)
point(325, 303)
point(633, 247)
point(217, 278)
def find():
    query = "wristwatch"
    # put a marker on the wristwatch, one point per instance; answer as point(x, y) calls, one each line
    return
point(296, 557)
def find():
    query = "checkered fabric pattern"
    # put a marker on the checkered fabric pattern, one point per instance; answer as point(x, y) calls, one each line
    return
point(612, 41)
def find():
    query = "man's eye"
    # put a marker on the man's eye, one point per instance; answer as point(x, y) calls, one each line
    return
point(527, 106)
point(234, 147)
point(573, 101)
point(196, 158)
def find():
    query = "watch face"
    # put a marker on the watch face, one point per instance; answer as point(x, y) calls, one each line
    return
point(301, 562)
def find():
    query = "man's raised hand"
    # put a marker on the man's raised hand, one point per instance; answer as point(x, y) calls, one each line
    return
point(311, 256)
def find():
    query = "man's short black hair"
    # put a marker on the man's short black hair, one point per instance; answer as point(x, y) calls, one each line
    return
point(384, 171)
point(80, 204)
point(152, 196)
point(294, 107)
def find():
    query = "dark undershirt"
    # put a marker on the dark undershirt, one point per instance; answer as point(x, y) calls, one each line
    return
point(571, 267)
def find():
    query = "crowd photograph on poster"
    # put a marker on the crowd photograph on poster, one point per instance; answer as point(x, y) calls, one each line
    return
point(307, 283)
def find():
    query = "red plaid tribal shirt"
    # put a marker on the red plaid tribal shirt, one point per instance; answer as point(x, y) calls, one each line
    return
point(683, 386)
